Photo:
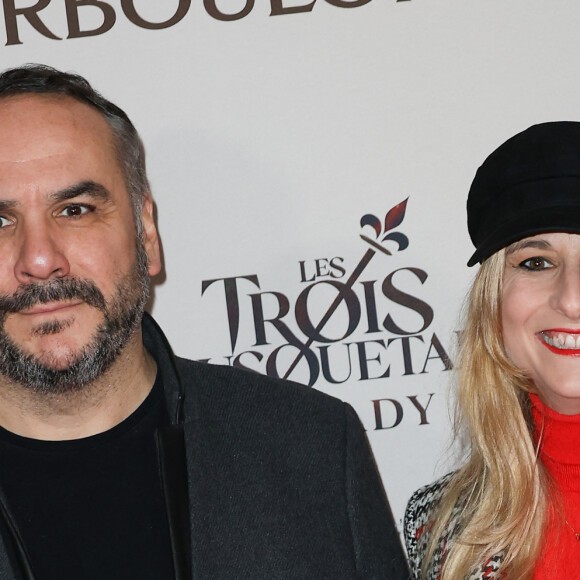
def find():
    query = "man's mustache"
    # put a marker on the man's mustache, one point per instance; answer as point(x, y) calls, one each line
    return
point(29, 295)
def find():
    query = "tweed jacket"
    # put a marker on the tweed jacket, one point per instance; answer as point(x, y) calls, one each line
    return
point(263, 480)
point(417, 526)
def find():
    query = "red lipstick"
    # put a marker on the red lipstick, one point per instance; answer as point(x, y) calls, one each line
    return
point(562, 351)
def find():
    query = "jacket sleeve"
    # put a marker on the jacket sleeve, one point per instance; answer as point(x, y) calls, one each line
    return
point(412, 527)
point(377, 545)
point(417, 525)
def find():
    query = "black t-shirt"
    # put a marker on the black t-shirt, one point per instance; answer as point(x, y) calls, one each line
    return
point(92, 508)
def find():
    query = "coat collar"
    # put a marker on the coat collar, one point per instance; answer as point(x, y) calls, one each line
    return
point(157, 345)
point(171, 448)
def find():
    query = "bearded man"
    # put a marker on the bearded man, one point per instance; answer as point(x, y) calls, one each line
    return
point(114, 459)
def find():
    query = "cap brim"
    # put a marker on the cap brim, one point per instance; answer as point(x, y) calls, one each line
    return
point(548, 219)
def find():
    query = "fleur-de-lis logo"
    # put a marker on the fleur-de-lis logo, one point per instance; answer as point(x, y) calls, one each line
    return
point(393, 219)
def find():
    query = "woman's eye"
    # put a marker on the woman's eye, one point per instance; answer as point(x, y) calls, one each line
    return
point(75, 210)
point(536, 263)
point(4, 221)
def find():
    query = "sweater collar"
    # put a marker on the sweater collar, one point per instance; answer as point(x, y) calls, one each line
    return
point(559, 441)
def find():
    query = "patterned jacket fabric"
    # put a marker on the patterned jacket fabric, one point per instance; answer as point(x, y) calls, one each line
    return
point(417, 527)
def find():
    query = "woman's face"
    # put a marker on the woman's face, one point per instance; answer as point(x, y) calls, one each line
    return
point(541, 315)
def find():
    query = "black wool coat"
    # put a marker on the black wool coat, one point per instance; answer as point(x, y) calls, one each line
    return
point(263, 479)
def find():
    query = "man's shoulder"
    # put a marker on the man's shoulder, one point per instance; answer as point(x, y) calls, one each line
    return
point(222, 379)
point(246, 415)
point(233, 387)
point(207, 391)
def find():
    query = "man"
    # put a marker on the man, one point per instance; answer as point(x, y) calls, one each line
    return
point(117, 459)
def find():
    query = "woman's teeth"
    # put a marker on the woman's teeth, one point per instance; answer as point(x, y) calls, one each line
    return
point(562, 340)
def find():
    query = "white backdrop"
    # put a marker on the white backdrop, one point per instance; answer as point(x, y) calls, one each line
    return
point(268, 138)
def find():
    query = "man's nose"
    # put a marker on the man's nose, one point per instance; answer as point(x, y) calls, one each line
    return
point(39, 254)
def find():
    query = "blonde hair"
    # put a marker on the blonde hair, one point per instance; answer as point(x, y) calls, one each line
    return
point(502, 490)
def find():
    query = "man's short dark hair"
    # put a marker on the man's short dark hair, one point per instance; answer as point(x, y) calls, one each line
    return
point(42, 79)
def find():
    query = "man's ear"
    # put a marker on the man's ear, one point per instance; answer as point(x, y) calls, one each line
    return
point(150, 235)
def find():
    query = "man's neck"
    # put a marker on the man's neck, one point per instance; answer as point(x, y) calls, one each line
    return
point(94, 409)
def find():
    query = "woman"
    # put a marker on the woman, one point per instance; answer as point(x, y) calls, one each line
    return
point(512, 511)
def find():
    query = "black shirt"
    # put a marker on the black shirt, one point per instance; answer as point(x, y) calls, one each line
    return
point(92, 508)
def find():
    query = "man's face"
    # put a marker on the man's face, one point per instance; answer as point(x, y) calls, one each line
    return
point(70, 283)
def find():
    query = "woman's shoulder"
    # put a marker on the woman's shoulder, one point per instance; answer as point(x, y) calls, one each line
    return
point(425, 499)
point(419, 519)
point(418, 523)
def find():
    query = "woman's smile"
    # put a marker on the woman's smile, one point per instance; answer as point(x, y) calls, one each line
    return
point(565, 342)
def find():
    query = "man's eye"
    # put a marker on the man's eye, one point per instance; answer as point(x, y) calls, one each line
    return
point(535, 264)
point(75, 210)
point(4, 222)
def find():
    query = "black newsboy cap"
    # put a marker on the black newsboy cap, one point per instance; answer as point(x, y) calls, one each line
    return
point(528, 185)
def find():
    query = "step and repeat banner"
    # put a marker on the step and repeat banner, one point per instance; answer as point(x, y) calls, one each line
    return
point(310, 162)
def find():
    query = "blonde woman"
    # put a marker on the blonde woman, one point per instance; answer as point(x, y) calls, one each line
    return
point(512, 511)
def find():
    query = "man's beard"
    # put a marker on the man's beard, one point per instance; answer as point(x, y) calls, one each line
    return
point(121, 316)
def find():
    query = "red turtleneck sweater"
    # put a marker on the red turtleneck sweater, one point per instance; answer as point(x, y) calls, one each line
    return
point(560, 453)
